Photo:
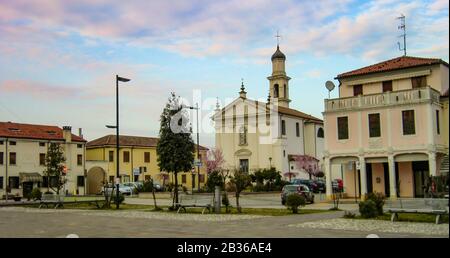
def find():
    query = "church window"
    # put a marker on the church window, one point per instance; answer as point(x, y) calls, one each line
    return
point(275, 91)
point(243, 165)
point(283, 127)
point(243, 136)
point(297, 129)
point(320, 133)
point(284, 92)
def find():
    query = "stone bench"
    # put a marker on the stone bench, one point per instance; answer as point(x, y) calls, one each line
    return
point(195, 201)
point(436, 207)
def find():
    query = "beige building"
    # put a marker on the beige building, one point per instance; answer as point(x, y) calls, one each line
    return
point(257, 134)
point(388, 130)
point(23, 148)
point(138, 162)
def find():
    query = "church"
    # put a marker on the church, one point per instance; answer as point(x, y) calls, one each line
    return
point(255, 134)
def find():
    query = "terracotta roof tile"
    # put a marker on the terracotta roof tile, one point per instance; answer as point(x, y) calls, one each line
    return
point(126, 140)
point(294, 112)
point(30, 131)
point(393, 64)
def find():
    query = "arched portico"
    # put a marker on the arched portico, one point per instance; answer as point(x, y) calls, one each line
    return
point(95, 178)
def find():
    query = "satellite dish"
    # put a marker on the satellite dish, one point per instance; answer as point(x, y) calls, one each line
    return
point(329, 85)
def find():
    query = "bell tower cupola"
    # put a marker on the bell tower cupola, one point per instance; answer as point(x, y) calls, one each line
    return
point(279, 81)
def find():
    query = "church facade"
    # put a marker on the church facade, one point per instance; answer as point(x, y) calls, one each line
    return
point(256, 134)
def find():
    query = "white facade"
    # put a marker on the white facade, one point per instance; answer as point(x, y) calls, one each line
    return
point(27, 160)
point(267, 144)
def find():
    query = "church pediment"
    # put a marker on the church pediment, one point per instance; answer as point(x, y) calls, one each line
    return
point(243, 152)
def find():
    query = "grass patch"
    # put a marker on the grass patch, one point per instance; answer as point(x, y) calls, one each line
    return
point(151, 208)
point(87, 206)
point(260, 211)
point(408, 217)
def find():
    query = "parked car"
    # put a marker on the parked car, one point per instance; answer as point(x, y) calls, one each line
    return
point(158, 187)
point(123, 189)
point(134, 185)
point(310, 183)
point(303, 190)
point(321, 185)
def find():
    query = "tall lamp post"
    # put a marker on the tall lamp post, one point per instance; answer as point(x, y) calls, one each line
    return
point(118, 79)
point(198, 148)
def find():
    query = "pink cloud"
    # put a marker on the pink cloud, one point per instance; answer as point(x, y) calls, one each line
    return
point(36, 89)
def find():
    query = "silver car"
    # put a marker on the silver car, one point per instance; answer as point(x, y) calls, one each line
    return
point(123, 189)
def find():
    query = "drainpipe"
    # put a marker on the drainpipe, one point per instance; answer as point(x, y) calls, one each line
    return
point(132, 172)
point(6, 171)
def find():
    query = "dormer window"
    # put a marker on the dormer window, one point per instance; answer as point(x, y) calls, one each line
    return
point(14, 129)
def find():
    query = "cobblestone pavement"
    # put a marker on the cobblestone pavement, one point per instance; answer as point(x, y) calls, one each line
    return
point(28, 222)
point(265, 200)
point(377, 226)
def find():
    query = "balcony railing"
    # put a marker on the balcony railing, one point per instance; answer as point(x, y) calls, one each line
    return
point(410, 96)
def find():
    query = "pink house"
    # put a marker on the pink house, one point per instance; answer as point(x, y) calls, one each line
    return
point(388, 130)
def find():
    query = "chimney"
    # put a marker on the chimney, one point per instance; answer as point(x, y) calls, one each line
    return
point(67, 133)
point(80, 132)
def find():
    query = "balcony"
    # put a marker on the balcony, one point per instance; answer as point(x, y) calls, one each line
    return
point(392, 98)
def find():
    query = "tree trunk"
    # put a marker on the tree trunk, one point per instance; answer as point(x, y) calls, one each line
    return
point(176, 188)
point(154, 198)
point(238, 207)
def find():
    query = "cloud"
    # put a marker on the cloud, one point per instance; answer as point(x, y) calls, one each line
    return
point(36, 89)
point(214, 28)
point(316, 73)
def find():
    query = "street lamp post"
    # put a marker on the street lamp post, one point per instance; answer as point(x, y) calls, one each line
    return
point(198, 148)
point(121, 79)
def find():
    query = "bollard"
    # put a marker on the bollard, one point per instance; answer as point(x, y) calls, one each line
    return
point(217, 200)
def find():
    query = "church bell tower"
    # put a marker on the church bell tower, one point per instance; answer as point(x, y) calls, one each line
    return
point(279, 81)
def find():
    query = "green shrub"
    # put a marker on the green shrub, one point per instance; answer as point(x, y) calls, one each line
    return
point(170, 187)
point(147, 187)
point(294, 201)
point(368, 209)
point(36, 194)
point(214, 179)
point(378, 199)
point(184, 189)
point(121, 198)
point(230, 187)
point(349, 215)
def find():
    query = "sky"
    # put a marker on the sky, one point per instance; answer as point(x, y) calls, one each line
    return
point(58, 59)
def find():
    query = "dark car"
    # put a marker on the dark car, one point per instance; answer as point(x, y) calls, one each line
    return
point(321, 186)
point(303, 190)
point(310, 183)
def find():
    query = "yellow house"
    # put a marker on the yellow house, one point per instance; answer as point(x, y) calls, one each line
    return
point(138, 162)
point(389, 127)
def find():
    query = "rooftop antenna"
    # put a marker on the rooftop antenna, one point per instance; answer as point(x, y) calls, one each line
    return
point(402, 27)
